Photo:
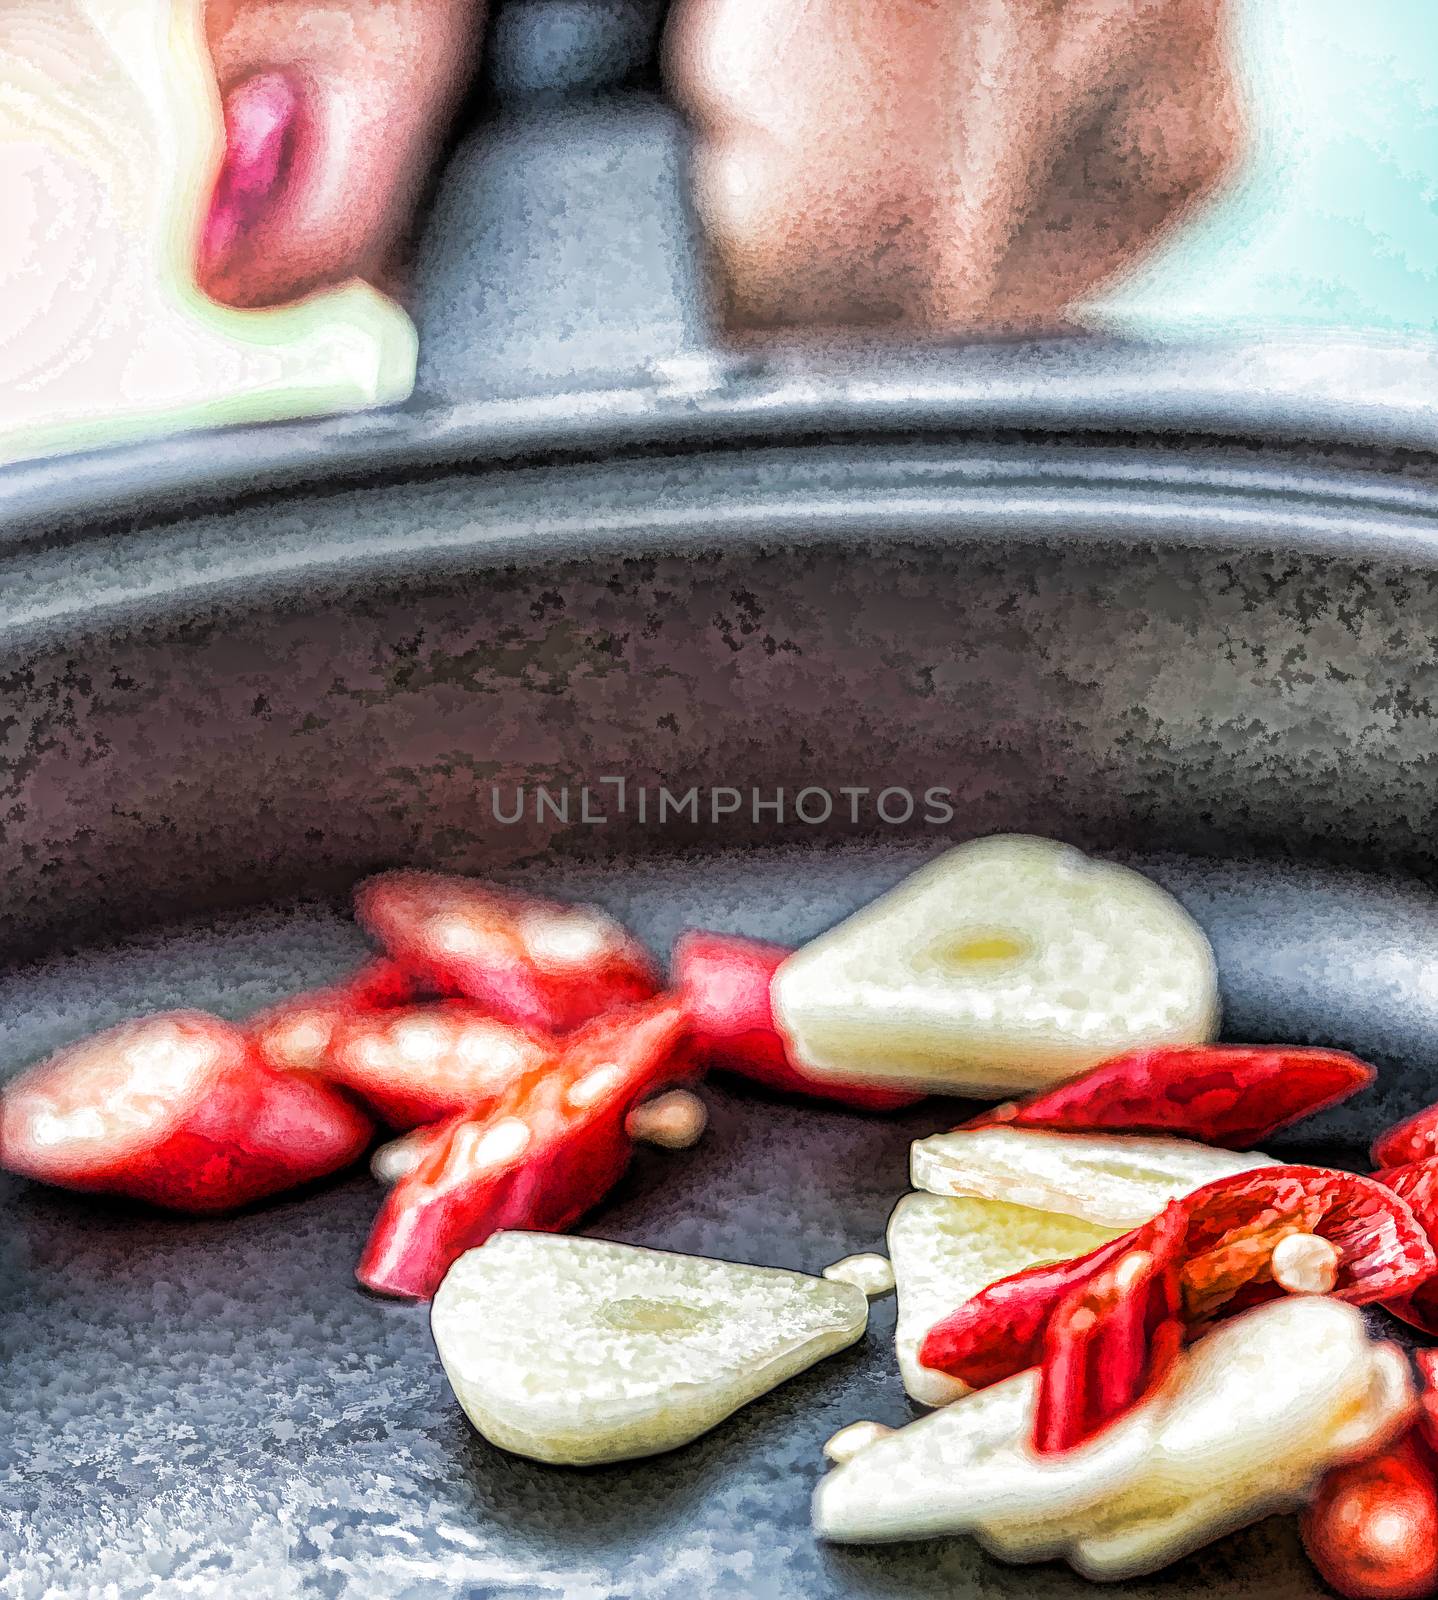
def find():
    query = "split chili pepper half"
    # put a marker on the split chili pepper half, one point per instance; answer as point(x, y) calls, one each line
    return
point(1232, 1227)
point(419, 1064)
point(298, 1034)
point(1417, 1183)
point(1234, 1224)
point(1372, 1528)
point(530, 962)
point(548, 1151)
point(1414, 1139)
point(1000, 1331)
point(1224, 1094)
point(177, 1110)
point(726, 980)
point(1112, 1339)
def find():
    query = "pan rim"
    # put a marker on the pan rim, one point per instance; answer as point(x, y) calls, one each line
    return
point(861, 494)
point(1368, 402)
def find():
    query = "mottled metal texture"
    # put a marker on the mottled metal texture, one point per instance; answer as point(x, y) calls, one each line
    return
point(278, 697)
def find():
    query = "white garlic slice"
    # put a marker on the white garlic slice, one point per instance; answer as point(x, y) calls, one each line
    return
point(110, 136)
point(1243, 1426)
point(848, 1442)
point(956, 1467)
point(576, 1351)
point(1118, 1180)
point(1261, 1407)
point(1010, 963)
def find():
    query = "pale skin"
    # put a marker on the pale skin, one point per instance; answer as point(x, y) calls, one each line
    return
point(933, 166)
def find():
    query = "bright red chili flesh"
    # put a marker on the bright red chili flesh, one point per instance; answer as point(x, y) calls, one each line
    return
point(726, 979)
point(1414, 1139)
point(1372, 1528)
point(177, 1110)
point(547, 1152)
point(414, 1065)
point(1231, 1226)
point(530, 962)
point(1111, 1340)
point(1417, 1183)
point(1224, 1094)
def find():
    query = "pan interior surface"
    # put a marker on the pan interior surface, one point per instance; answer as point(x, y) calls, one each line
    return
point(215, 1402)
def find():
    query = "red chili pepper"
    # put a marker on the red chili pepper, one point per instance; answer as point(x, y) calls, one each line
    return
point(177, 1110)
point(1232, 1227)
point(414, 1065)
point(298, 1034)
point(546, 1153)
point(380, 982)
point(1234, 1223)
point(1111, 1340)
point(1417, 1183)
point(726, 980)
point(1000, 1331)
point(1225, 1094)
point(1372, 1529)
point(1414, 1139)
point(530, 962)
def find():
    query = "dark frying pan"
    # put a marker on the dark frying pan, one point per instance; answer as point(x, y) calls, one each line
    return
point(1176, 604)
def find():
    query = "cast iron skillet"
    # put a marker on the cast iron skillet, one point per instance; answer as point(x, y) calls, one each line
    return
point(1176, 605)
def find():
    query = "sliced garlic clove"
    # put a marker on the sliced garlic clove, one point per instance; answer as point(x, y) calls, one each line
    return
point(1269, 1396)
point(1250, 1418)
point(1131, 1542)
point(576, 1351)
point(1246, 1422)
point(1116, 1180)
point(1010, 963)
point(945, 1250)
point(950, 1471)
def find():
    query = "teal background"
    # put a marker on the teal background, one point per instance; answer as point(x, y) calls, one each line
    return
point(1332, 219)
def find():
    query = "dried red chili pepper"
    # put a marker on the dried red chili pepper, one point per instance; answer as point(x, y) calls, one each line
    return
point(726, 980)
point(1413, 1139)
point(1225, 1094)
point(1234, 1223)
point(1000, 1331)
point(1232, 1227)
point(1417, 1183)
point(1111, 1340)
point(414, 1065)
point(1372, 1529)
point(176, 1110)
point(1382, 1250)
point(546, 1153)
point(531, 962)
